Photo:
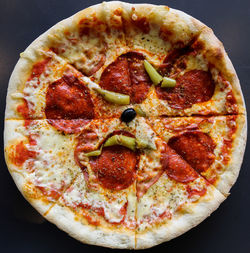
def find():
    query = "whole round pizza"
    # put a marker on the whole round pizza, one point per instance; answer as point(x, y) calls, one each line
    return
point(125, 124)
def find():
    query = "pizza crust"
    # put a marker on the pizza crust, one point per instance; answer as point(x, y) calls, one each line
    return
point(64, 219)
point(216, 54)
point(230, 175)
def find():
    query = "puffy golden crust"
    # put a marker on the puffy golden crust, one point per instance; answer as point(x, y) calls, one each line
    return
point(230, 175)
point(65, 219)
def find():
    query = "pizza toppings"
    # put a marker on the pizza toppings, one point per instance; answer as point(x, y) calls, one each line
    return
point(123, 140)
point(140, 111)
point(168, 82)
point(113, 97)
point(195, 86)
point(193, 192)
point(24, 110)
point(94, 153)
point(115, 167)
point(68, 98)
point(196, 148)
point(129, 142)
point(156, 78)
point(176, 167)
point(128, 115)
point(87, 141)
point(127, 75)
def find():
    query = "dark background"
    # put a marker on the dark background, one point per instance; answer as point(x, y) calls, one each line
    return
point(227, 230)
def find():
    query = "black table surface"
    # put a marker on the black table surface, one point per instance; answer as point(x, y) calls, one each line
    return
point(22, 230)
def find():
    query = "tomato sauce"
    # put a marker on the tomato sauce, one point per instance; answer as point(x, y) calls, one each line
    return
point(39, 68)
point(24, 110)
point(141, 23)
point(51, 193)
point(21, 154)
point(226, 149)
point(100, 211)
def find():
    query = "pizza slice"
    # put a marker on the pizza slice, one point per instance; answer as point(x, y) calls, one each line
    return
point(171, 196)
point(90, 39)
point(174, 204)
point(213, 146)
point(206, 83)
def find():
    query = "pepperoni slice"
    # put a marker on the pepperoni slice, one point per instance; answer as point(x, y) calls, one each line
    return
point(127, 75)
point(68, 126)
point(140, 81)
point(116, 76)
point(177, 168)
point(193, 87)
point(68, 98)
point(115, 167)
point(196, 148)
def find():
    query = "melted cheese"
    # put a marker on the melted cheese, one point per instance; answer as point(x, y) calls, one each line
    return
point(54, 166)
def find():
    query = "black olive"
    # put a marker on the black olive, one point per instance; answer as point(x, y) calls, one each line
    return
point(128, 115)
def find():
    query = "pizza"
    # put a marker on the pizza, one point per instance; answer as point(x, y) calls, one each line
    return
point(125, 124)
